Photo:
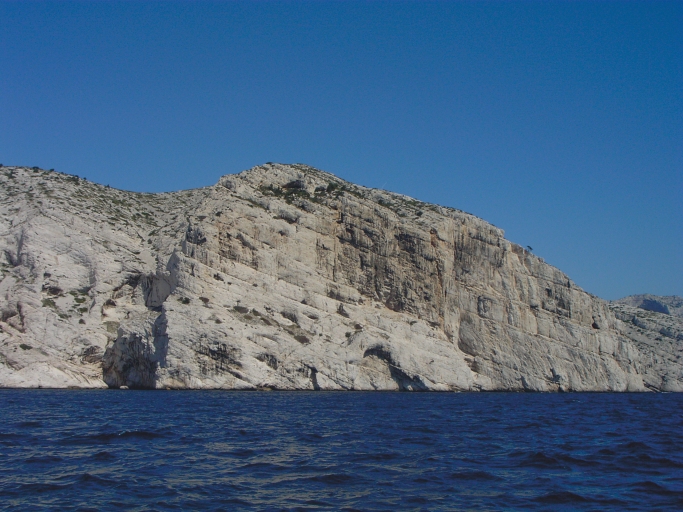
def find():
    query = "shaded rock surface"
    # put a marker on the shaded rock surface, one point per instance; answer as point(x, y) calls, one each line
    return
point(286, 277)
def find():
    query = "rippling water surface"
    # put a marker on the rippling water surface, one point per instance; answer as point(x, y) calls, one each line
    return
point(211, 450)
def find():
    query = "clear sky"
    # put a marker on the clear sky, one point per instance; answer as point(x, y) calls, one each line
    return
point(561, 123)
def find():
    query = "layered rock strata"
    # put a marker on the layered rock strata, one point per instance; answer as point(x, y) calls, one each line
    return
point(287, 277)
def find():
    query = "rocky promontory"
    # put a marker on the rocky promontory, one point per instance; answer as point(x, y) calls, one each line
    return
point(287, 277)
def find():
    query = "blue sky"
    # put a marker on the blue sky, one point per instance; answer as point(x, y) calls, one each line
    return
point(561, 123)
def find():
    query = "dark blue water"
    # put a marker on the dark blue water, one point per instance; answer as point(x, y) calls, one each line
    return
point(196, 450)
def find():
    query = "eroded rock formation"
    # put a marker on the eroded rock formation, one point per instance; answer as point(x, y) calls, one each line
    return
point(286, 277)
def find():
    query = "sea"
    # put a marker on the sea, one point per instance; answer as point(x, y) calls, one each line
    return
point(232, 450)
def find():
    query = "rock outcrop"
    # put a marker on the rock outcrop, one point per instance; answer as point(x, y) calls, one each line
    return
point(287, 277)
point(671, 305)
point(655, 333)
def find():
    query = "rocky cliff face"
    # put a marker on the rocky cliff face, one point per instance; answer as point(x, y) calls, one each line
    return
point(286, 277)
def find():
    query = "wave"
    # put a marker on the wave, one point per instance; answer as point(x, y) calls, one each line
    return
point(243, 453)
point(473, 475)
point(29, 424)
point(649, 462)
point(375, 457)
point(649, 487)
point(561, 498)
point(108, 437)
point(332, 478)
point(44, 459)
point(104, 456)
point(541, 460)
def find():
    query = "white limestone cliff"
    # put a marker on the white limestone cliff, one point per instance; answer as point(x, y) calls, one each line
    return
point(286, 277)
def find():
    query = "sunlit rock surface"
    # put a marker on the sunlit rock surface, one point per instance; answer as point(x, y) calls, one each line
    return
point(287, 277)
